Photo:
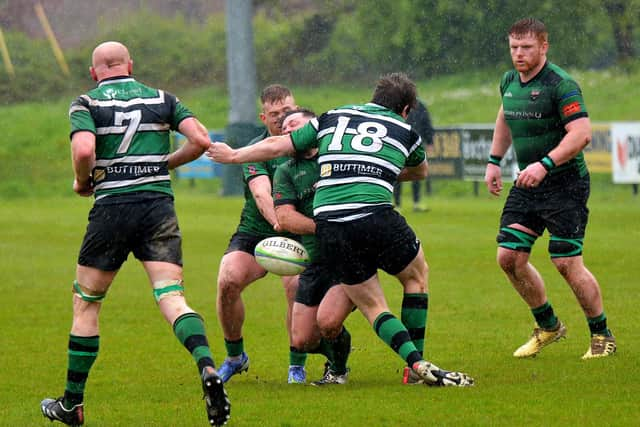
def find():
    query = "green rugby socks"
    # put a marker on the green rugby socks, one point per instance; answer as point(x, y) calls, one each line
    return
point(391, 330)
point(189, 329)
point(414, 317)
point(82, 352)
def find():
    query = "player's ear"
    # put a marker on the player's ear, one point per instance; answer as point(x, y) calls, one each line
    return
point(405, 111)
point(130, 67)
point(92, 71)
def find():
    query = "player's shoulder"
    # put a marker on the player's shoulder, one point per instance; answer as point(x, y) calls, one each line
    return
point(508, 77)
point(555, 75)
point(264, 134)
point(286, 166)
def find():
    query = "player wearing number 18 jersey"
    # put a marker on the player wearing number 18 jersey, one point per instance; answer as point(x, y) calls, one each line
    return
point(363, 150)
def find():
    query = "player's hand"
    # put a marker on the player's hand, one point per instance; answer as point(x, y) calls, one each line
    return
point(84, 189)
point(493, 179)
point(220, 152)
point(531, 176)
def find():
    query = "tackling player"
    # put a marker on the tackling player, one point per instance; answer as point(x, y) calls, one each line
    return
point(293, 189)
point(363, 150)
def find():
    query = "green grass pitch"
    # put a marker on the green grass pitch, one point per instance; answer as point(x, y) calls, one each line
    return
point(143, 377)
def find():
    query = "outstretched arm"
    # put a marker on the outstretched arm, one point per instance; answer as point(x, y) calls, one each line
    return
point(267, 149)
point(197, 142)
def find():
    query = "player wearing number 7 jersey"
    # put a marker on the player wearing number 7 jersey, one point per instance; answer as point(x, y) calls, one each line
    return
point(120, 147)
point(362, 151)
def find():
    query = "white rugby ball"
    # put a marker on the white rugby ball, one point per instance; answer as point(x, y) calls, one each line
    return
point(281, 256)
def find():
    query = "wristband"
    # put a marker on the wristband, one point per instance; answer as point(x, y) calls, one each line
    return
point(548, 163)
point(494, 160)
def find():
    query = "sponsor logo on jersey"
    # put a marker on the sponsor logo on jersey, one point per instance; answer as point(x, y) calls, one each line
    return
point(508, 95)
point(134, 170)
point(522, 115)
point(571, 108)
point(357, 169)
point(325, 170)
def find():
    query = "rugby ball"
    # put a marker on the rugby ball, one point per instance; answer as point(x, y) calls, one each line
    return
point(281, 256)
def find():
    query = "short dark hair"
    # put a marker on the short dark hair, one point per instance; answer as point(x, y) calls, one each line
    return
point(395, 91)
point(304, 111)
point(528, 26)
point(273, 93)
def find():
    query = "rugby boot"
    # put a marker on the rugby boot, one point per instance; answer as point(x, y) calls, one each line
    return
point(231, 367)
point(215, 396)
point(55, 411)
point(436, 377)
point(539, 339)
point(601, 346)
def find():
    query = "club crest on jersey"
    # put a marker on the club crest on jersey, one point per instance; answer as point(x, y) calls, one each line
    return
point(325, 170)
point(534, 94)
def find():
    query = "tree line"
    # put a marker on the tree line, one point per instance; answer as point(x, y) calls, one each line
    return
point(337, 41)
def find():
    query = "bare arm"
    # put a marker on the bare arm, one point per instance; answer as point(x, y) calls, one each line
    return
point(260, 188)
point(577, 138)
point(197, 142)
point(267, 149)
point(83, 159)
point(414, 173)
point(293, 221)
point(499, 145)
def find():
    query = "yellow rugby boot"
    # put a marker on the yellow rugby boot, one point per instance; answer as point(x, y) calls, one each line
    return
point(601, 346)
point(539, 339)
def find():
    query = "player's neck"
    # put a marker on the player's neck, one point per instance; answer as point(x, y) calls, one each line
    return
point(530, 74)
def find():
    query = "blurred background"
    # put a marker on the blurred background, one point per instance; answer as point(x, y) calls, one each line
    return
point(329, 52)
point(181, 43)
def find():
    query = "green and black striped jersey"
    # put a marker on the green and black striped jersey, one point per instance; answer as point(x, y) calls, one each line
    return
point(362, 149)
point(537, 112)
point(132, 124)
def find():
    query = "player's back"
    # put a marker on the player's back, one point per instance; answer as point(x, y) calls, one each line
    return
point(132, 124)
point(362, 149)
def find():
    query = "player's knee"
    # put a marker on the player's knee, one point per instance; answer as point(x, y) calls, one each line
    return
point(167, 288)
point(563, 248)
point(330, 327)
point(510, 261)
point(298, 342)
point(86, 294)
